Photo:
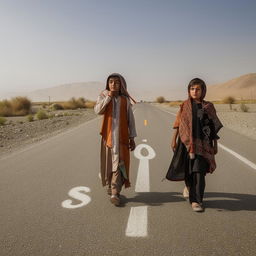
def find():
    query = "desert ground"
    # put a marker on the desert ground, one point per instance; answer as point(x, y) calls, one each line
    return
point(18, 132)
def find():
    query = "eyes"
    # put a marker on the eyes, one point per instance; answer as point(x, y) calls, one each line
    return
point(195, 89)
point(113, 81)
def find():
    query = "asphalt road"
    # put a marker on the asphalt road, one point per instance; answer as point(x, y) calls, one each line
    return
point(36, 218)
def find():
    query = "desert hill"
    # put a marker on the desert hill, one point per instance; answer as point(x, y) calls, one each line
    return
point(88, 90)
point(243, 87)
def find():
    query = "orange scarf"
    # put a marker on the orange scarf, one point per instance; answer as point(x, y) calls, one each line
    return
point(106, 133)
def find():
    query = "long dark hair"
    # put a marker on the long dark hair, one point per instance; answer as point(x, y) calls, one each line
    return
point(197, 81)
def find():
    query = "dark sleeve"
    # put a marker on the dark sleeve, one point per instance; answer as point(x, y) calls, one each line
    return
point(217, 125)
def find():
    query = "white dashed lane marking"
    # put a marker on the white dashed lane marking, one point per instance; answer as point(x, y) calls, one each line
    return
point(137, 225)
point(138, 222)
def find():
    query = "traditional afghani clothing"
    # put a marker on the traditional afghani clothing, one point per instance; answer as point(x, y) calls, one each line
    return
point(198, 126)
point(117, 127)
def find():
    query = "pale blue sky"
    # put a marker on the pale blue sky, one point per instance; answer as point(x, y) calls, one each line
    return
point(154, 44)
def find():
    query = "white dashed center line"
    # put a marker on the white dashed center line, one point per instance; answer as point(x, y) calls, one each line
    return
point(138, 222)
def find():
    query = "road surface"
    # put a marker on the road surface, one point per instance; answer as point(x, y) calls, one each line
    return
point(52, 201)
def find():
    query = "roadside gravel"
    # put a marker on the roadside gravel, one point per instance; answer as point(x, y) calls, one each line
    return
point(18, 132)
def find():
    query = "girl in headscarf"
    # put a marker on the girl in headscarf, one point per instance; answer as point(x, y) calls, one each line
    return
point(196, 127)
point(118, 132)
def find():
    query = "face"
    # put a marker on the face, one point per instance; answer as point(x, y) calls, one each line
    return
point(195, 92)
point(114, 84)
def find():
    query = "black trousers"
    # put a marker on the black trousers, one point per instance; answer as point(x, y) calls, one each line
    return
point(196, 183)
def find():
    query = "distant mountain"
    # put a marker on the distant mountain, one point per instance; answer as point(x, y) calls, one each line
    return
point(88, 90)
point(243, 87)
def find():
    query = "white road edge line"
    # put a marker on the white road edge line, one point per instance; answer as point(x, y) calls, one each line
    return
point(241, 158)
point(137, 225)
point(167, 111)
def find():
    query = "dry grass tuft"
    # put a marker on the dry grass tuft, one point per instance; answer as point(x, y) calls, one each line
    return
point(5, 108)
point(18, 106)
point(21, 106)
point(74, 103)
point(229, 100)
point(90, 104)
point(175, 103)
point(41, 114)
point(244, 108)
point(57, 106)
point(160, 99)
point(2, 120)
point(30, 118)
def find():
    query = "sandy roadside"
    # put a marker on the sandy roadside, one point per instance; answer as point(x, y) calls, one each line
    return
point(18, 132)
point(241, 122)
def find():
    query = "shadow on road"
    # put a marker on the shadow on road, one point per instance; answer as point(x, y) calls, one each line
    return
point(155, 198)
point(230, 201)
point(216, 200)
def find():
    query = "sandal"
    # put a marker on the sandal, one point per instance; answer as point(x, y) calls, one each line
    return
point(185, 193)
point(115, 200)
point(196, 207)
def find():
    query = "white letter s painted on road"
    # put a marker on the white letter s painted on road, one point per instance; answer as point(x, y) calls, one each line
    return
point(77, 194)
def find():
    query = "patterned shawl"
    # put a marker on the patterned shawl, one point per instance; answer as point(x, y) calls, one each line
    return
point(198, 146)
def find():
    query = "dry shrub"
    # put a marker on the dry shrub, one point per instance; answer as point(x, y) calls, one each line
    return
point(90, 104)
point(2, 120)
point(5, 108)
point(81, 100)
point(19, 106)
point(30, 118)
point(244, 108)
point(67, 114)
point(57, 106)
point(217, 101)
point(174, 103)
point(41, 114)
point(160, 99)
point(74, 103)
point(67, 105)
point(229, 100)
